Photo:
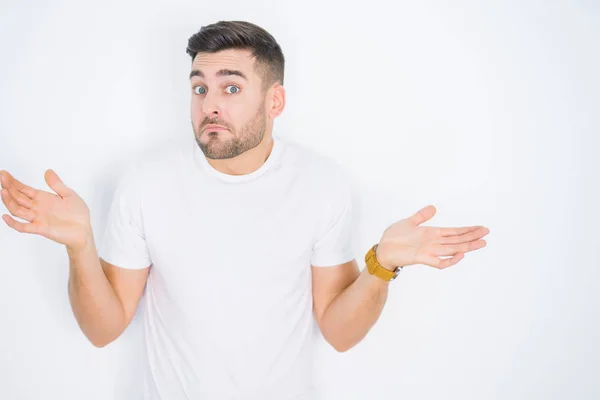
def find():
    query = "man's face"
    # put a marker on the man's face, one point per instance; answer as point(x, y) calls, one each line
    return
point(222, 97)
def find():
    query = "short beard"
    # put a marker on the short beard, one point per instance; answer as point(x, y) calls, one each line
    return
point(251, 136)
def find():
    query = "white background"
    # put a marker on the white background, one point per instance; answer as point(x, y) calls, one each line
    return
point(489, 112)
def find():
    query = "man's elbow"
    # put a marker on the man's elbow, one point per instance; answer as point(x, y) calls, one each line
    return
point(335, 340)
point(341, 349)
point(340, 346)
point(102, 341)
point(99, 344)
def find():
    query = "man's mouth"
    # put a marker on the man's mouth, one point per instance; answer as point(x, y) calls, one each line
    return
point(214, 128)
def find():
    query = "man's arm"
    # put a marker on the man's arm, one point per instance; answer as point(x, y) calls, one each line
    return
point(347, 303)
point(104, 298)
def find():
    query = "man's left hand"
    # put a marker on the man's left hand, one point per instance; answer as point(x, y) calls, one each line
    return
point(406, 243)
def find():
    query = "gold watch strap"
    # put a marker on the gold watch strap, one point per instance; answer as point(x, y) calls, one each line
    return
point(376, 269)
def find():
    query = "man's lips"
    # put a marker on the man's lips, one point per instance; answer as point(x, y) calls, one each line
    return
point(214, 128)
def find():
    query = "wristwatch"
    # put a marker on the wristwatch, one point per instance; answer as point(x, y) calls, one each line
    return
point(376, 269)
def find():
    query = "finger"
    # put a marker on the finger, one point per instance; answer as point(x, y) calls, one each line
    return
point(458, 231)
point(451, 249)
point(56, 183)
point(9, 182)
point(19, 197)
point(14, 208)
point(423, 215)
point(466, 237)
point(18, 226)
point(442, 263)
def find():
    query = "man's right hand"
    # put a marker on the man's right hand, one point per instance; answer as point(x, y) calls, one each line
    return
point(63, 217)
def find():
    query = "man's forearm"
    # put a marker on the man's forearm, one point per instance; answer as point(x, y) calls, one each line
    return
point(96, 306)
point(354, 311)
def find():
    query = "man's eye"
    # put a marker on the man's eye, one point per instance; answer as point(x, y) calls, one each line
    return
point(197, 88)
point(237, 89)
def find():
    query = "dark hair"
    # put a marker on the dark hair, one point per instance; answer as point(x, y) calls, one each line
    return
point(222, 35)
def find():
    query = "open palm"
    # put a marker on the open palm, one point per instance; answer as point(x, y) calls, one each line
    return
point(406, 242)
point(63, 217)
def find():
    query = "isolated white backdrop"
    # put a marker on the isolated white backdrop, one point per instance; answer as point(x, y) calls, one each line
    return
point(488, 112)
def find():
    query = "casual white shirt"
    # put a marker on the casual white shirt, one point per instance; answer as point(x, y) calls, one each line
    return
point(228, 308)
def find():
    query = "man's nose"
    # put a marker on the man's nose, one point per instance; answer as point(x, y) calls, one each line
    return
point(211, 104)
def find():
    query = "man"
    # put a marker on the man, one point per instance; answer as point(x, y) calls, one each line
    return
point(238, 242)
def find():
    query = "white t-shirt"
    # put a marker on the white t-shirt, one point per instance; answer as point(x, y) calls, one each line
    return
point(227, 308)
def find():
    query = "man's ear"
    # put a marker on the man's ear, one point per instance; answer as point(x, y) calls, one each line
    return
point(277, 100)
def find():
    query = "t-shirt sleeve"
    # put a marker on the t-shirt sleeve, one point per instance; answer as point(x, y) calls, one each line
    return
point(335, 244)
point(124, 243)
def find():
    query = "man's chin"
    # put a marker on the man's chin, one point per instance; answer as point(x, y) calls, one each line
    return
point(218, 150)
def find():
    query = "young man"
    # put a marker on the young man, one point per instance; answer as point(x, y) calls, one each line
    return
point(239, 243)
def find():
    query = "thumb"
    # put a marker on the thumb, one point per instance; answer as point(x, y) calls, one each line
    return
point(423, 215)
point(56, 183)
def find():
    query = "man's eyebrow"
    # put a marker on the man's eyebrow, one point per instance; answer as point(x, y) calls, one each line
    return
point(221, 72)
